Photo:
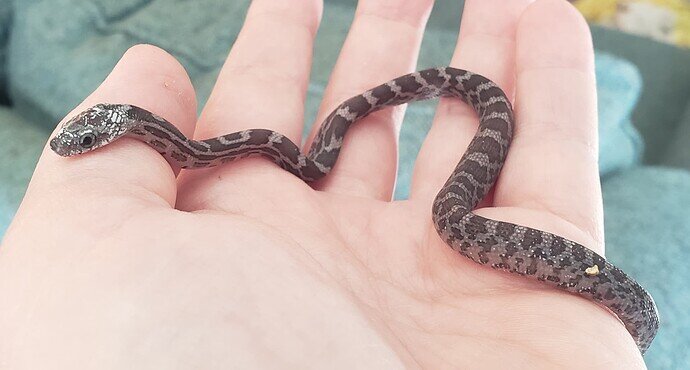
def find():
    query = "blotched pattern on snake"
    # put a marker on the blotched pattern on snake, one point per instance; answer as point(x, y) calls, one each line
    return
point(532, 253)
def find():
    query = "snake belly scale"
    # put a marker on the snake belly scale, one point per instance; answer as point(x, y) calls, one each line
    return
point(525, 251)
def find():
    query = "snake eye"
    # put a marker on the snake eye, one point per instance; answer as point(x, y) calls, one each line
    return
point(87, 140)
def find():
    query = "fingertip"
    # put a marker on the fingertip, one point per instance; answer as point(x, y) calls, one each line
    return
point(504, 17)
point(306, 12)
point(149, 65)
point(555, 138)
point(553, 33)
point(413, 13)
point(145, 76)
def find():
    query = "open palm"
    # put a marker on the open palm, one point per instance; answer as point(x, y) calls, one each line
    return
point(114, 262)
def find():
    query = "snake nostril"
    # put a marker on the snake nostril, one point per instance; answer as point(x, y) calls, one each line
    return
point(53, 144)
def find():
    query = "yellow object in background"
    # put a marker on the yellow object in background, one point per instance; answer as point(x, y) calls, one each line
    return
point(663, 20)
point(599, 11)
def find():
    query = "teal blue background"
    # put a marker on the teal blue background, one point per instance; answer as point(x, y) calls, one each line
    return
point(54, 52)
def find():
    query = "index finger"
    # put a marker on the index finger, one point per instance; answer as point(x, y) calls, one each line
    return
point(486, 45)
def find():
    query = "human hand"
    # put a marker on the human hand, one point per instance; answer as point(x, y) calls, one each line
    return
point(113, 262)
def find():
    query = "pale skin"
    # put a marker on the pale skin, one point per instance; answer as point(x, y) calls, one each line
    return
point(113, 261)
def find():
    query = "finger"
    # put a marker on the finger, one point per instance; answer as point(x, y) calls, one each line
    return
point(382, 44)
point(262, 84)
point(552, 163)
point(486, 45)
point(145, 76)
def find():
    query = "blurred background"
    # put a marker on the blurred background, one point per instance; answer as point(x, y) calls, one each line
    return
point(55, 52)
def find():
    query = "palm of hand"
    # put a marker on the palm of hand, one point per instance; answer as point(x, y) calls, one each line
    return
point(376, 276)
point(252, 267)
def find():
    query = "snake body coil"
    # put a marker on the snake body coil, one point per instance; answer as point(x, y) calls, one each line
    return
point(532, 253)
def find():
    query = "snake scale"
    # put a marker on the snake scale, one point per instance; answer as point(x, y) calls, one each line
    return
point(532, 253)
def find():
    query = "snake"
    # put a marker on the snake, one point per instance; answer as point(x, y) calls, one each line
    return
point(534, 254)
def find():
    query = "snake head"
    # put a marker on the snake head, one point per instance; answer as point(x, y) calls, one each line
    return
point(91, 129)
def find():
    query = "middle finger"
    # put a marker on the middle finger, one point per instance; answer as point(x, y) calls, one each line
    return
point(382, 44)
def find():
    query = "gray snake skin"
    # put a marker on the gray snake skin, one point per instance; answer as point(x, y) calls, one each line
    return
point(532, 253)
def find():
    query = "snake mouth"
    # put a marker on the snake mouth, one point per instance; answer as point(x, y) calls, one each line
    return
point(55, 146)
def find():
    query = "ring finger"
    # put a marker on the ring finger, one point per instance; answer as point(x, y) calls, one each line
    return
point(262, 84)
